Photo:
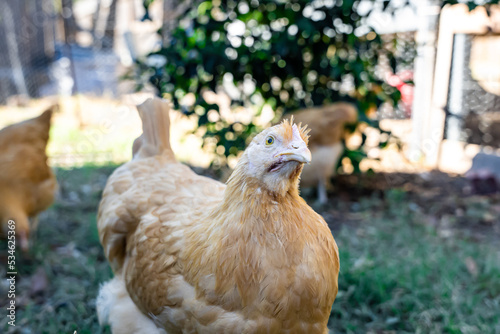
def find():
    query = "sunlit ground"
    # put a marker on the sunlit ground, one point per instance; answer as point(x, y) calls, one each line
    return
point(101, 130)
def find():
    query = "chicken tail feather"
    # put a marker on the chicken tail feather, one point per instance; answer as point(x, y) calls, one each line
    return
point(155, 138)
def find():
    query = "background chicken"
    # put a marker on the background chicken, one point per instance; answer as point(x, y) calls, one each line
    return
point(327, 131)
point(193, 255)
point(27, 184)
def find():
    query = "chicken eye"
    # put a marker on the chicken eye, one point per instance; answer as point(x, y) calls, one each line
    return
point(269, 140)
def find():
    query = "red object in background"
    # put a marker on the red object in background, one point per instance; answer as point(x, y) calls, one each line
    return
point(406, 90)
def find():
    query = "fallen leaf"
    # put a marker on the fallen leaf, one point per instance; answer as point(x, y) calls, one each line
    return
point(471, 266)
point(39, 282)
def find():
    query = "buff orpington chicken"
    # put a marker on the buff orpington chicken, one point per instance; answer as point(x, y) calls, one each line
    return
point(192, 255)
point(327, 131)
point(27, 184)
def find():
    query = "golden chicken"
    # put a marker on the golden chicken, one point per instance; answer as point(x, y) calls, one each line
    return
point(27, 184)
point(192, 255)
point(327, 131)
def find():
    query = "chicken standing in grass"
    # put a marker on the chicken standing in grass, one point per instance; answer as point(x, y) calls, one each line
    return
point(192, 255)
point(327, 131)
point(27, 184)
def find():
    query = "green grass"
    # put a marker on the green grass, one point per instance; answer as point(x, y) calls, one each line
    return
point(398, 273)
point(71, 145)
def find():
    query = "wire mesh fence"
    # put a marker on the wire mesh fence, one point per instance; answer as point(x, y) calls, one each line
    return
point(398, 72)
point(62, 48)
point(473, 109)
point(28, 45)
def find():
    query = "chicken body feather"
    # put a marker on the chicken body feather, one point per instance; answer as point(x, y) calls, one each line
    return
point(198, 256)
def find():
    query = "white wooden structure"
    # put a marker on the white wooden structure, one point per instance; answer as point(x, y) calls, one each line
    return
point(433, 83)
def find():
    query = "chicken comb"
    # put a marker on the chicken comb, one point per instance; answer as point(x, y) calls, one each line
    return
point(304, 132)
point(286, 130)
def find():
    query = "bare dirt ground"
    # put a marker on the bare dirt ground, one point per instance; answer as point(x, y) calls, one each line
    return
point(444, 201)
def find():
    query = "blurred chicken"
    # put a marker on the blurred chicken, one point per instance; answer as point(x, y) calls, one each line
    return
point(192, 255)
point(27, 184)
point(327, 132)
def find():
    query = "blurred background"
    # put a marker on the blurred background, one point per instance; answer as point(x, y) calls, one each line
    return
point(412, 89)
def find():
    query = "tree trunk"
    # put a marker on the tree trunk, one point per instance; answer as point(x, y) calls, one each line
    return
point(109, 31)
point(95, 20)
point(13, 51)
point(70, 27)
point(171, 11)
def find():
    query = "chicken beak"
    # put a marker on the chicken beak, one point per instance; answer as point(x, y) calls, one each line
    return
point(298, 152)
